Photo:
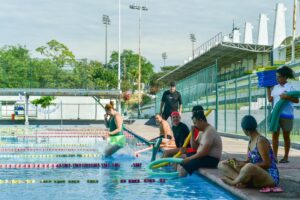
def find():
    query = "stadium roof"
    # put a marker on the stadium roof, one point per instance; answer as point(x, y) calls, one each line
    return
point(225, 53)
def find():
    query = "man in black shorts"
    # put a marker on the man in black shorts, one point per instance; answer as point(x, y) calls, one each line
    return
point(209, 150)
point(171, 101)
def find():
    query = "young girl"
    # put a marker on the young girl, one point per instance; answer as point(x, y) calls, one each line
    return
point(287, 114)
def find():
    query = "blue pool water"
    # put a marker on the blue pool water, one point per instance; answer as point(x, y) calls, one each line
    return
point(109, 185)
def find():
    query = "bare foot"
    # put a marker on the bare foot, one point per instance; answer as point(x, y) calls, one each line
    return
point(227, 181)
point(240, 185)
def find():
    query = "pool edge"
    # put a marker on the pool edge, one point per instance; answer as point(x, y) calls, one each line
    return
point(219, 182)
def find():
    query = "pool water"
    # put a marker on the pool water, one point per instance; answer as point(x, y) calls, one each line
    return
point(94, 183)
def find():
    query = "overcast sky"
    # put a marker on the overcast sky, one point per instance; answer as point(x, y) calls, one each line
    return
point(165, 26)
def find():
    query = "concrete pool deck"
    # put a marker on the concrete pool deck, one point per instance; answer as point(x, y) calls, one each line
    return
point(236, 148)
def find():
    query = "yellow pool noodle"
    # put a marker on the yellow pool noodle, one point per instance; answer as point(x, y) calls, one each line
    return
point(185, 144)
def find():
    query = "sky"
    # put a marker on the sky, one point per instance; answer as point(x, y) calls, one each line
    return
point(165, 27)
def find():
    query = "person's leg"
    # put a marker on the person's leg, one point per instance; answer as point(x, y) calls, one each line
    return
point(253, 175)
point(227, 170)
point(195, 164)
point(287, 144)
point(275, 138)
point(182, 171)
point(170, 152)
point(111, 149)
point(165, 115)
point(287, 127)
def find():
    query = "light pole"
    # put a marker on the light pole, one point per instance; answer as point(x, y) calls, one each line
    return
point(164, 57)
point(119, 60)
point(193, 40)
point(106, 21)
point(294, 30)
point(140, 8)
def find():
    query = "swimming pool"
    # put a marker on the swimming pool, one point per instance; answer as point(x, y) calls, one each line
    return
point(119, 177)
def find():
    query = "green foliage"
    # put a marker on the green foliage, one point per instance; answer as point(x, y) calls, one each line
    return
point(57, 52)
point(156, 85)
point(126, 85)
point(146, 99)
point(19, 70)
point(59, 69)
point(129, 66)
point(43, 101)
point(13, 61)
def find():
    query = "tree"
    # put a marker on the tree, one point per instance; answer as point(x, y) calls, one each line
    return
point(44, 101)
point(14, 62)
point(156, 85)
point(130, 63)
point(19, 70)
point(58, 52)
point(101, 77)
point(146, 99)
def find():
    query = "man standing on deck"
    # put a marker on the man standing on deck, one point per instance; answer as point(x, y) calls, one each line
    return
point(171, 101)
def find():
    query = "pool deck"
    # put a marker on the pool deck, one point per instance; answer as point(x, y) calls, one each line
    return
point(236, 148)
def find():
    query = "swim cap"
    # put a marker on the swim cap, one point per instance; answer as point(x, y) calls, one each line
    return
point(175, 113)
point(249, 123)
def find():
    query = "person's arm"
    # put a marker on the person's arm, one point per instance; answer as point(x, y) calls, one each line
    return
point(186, 133)
point(161, 107)
point(263, 149)
point(269, 91)
point(180, 103)
point(237, 164)
point(166, 129)
point(289, 98)
point(203, 149)
point(162, 103)
point(193, 143)
point(118, 121)
point(106, 120)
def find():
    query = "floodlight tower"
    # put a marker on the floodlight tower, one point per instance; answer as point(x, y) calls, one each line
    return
point(106, 22)
point(193, 40)
point(140, 8)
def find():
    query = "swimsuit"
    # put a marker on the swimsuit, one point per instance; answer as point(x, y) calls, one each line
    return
point(255, 157)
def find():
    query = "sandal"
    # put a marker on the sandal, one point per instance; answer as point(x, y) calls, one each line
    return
point(284, 160)
point(265, 190)
point(277, 189)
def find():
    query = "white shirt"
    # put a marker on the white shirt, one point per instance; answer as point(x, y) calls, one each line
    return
point(287, 110)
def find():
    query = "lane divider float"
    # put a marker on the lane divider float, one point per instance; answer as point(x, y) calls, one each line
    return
point(72, 181)
point(50, 155)
point(44, 149)
point(60, 165)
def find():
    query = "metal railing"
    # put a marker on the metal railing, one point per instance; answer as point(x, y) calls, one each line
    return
point(214, 41)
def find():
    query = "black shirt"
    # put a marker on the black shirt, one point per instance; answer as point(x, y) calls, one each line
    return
point(180, 133)
point(171, 100)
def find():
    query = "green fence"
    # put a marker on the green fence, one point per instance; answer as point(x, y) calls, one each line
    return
point(232, 99)
point(195, 89)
